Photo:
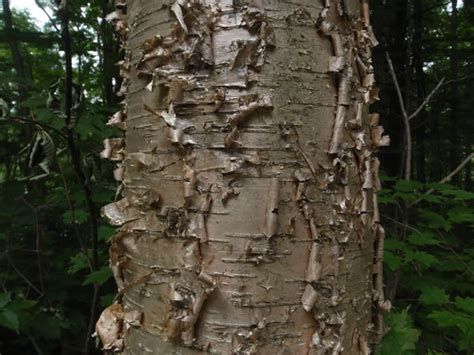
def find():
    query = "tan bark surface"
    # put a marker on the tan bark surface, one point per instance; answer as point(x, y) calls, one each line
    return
point(249, 222)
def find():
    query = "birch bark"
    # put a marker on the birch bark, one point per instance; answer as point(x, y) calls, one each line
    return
point(249, 220)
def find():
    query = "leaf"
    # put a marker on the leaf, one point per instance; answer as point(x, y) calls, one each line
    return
point(100, 276)
point(81, 217)
point(439, 187)
point(408, 186)
point(459, 195)
point(9, 319)
point(460, 214)
point(446, 319)
point(465, 304)
point(432, 198)
point(423, 239)
point(107, 300)
point(460, 321)
point(392, 261)
point(105, 232)
point(21, 304)
point(394, 244)
point(408, 197)
point(386, 198)
point(5, 298)
point(78, 262)
point(421, 257)
point(435, 220)
point(402, 336)
point(433, 296)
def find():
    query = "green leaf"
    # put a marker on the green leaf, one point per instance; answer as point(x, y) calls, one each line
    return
point(78, 262)
point(460, 214)
point(439, 187)
point(408, 186)
point(81, 217)
point(9, 319)
point(21, 304)
point(432, 198)
point(5, 298)
point(459, 195)
point(423, 239)
point(404, 196)
point(402, 336)
point(105, 232)
point(394, 244)
point(100, 276)
point(385, 197)
point(435, 220)
point(107, 300)
point(421, 257)
point(392, 260)
point(446, 319)
point(465, 304)
point(431, 296)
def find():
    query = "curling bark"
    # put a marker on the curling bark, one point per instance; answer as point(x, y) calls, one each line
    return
point(249, 220)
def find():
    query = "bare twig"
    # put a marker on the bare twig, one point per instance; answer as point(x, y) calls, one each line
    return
point(38, 3)
point(38, 243)
point(406, 119)
point(34, 122)
point(427, 99)
point(448, 178)
point(404, 225)
point(22, 276)
point(35, 344)
point(77, 233)
point(447, 247)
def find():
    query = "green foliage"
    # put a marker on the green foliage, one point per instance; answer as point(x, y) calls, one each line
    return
point(402, 336)
point(99, 276)
point(46, 281)
point(431, 253)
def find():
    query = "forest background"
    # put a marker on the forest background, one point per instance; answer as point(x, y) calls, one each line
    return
point(54, 275)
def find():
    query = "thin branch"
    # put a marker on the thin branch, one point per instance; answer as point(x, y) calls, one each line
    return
point(38, 243)
point(427, 99)
point(448, 178)
point(77, 233)
point(466, 265)
point(38, 3)
point(42, 125)
point(404, 225)
point(35, 344)
point(18, 62)
point(22, 276)
point(406, 119)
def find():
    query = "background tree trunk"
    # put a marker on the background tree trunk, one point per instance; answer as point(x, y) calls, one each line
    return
point(249, 220)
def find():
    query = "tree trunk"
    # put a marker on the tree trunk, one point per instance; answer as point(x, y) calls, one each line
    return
point(418, 64)
point(455, 153)
point(249, 220)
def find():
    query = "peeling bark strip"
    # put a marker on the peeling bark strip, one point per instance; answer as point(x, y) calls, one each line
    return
point(249, 220)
